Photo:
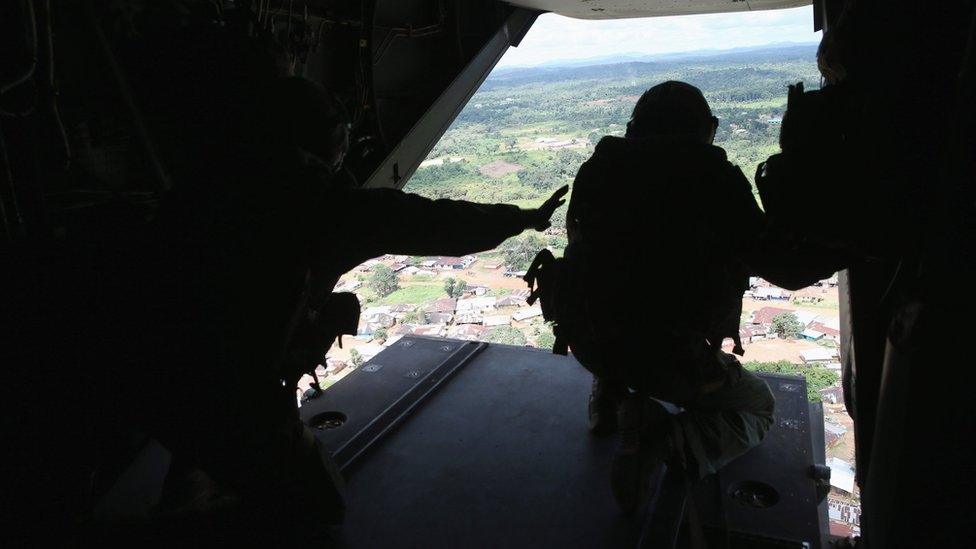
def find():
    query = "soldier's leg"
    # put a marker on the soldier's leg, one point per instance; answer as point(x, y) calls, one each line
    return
point(280, 466)
point(605, 396)
point(724, 423)
point(252, 444)
point(606, 392)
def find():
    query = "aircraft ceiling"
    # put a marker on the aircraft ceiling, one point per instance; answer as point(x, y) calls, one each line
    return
point(617, 9)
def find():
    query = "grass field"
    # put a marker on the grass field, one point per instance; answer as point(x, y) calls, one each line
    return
point(414, 293)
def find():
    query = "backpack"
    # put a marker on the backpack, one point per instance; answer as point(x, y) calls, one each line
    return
point(582, 302)
point(675, 370)
point(564, 292)
point(548, 280)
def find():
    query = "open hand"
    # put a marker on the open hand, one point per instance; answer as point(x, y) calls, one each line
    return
point(540, 216)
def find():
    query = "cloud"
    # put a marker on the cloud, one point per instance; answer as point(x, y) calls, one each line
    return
point(555, 37)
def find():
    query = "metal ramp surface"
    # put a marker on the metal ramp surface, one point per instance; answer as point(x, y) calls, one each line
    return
point(449, 443)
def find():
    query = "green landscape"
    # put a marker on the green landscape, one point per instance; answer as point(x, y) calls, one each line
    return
point(513, 142)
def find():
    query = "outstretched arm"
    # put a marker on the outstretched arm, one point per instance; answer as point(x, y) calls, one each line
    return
point(361, 224)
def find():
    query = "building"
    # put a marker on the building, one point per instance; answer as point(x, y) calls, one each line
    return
point(399, 311)
point(842, 530)
point(844, 517)
point(829, 333)
point(333, 366)
point(770, 293)
point(431, 330)
point(810, 334)
point(805, 317)
point(841, 475)
point(765, 315)
point(439, 318)
point(416, 271)
point(470, 332)
point(521, 293)
point(450, 263)
point(469, 317)
point(812, 294)
point(833, 395)
point(379, 320)
point(475, 303)
point(833, 432)
point(496, 320)
point(403, 329)
point(756, 332)
point(526, 313)
point(443, 305)
point(509, 301)
point(820, 355)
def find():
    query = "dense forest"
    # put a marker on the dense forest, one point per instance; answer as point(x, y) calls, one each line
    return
point(527, 130)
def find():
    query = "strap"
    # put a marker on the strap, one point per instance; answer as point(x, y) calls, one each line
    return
point(560, 347)
point(737, 348)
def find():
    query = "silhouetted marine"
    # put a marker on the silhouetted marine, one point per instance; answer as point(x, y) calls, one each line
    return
point(253, 239)
point(664, 233)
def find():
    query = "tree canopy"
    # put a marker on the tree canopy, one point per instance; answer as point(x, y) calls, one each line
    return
point(545, 340)
point(383, 281)
point(455, 287)
point(520, 250)
point(507, 335)
point(416, 316)
point(786, 325)
point(355, 358)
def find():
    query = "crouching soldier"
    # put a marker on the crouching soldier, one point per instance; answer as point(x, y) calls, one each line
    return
point(662, 232)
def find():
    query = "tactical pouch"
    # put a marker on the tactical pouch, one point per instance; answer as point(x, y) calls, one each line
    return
point(559, 286)
point(544, 278)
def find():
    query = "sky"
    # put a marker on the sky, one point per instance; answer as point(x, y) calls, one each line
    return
point(554, 37)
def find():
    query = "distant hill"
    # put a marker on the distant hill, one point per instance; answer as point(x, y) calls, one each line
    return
point(646, 57)
point(616, 66)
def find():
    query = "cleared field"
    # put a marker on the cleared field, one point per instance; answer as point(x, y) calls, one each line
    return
point(772, 350)
point(498, 168)
point(417, 294)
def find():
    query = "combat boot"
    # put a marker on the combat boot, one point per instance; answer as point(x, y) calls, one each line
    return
point(625, 467)
point(645, 444)
point(604, 397)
